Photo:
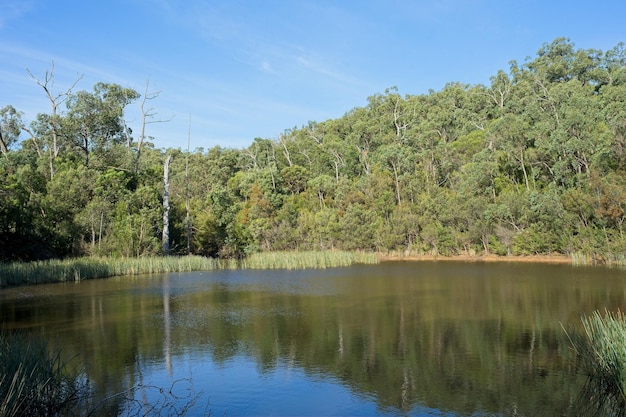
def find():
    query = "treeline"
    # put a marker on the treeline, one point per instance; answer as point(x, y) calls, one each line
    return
point(532, 163)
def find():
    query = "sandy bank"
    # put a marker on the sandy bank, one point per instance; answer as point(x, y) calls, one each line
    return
point(552, 259)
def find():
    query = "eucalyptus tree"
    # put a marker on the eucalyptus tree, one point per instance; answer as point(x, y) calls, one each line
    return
point(165, 237)
point(363, 137)
point(499, 91)
point(94, 121)
point(554, 61)
point(51, 122)
point(613, 99)
point(10, 126)
point(310, 141)
point(442, 118)
point(509, 133)
point(66, 196)
point(399, 158)
point(294, 179)
point(288, 146)
point(335, 150)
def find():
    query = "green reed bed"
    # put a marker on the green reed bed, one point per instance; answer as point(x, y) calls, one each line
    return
point(90, 268)
point(18, 273)
point(21, 273)
point(305, 260)
point(602, 354)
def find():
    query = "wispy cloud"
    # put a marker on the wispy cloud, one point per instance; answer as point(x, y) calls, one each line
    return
point(321, 69)
point(257, 44)
point(10, 9)
point(265, 66)
point(39, 61)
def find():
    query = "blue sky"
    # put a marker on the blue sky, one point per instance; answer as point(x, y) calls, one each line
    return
point(246, 69)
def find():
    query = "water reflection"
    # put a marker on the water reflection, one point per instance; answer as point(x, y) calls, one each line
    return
point(397, 338)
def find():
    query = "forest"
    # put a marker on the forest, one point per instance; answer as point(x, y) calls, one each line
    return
point(533, 163)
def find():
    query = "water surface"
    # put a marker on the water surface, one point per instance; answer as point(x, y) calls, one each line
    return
point(399, 338)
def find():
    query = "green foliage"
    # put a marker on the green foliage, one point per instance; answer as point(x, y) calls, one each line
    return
point(534, 162)
point(10, 126)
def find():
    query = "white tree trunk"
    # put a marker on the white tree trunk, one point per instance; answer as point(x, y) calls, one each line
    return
point(166, 205)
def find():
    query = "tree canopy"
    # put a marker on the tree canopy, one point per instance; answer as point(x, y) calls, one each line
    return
point(533, 163)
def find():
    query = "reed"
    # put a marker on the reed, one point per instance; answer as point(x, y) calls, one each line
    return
point(602, 352)
point(305, 260)
point(34, 382)
point(21, 273)
point(607, 258)
point(18, 273)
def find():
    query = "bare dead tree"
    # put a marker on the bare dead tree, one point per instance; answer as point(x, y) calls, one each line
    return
point(56, 99)
point(147, 115)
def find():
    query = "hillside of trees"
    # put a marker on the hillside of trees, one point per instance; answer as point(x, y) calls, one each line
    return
point(533, 163)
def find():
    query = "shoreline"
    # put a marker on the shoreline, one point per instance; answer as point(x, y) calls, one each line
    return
point(546, 259)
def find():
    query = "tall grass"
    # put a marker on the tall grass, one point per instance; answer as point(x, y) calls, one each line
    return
point(306, 260)
point(602, 352)
point(588, 259)
point(21, 273)
point(34, 382)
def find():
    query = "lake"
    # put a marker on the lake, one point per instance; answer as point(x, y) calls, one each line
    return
point(398, 338)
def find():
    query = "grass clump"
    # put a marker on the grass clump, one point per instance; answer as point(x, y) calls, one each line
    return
point(602, 351)
point(34, 382)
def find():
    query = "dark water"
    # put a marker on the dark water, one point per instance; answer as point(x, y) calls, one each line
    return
point(425, 339)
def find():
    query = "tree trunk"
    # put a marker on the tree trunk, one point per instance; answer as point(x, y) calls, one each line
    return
point(166, 206)
point(3, 146)
point(521, 160)
point(397, 183)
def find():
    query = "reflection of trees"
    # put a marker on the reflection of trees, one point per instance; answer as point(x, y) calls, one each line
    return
point(457, 344)
point(167, 325)
point(109, 333)
point(399, 348)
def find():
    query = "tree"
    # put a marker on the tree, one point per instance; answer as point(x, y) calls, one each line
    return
point(94, 121)
point(166, 205)
point(534, 162)
point(147, 117)
point(510, 133)
point(398, 158)
point(554, 62)
point(53, 120)
point(10, 126)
